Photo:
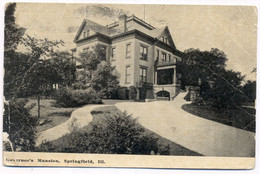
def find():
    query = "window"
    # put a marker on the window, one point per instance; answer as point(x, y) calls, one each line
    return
point(85, 50)
point(164, 57)
point(84, 34)
point(143, 52)
point(88, 33)
point(157, 55)
point(166, 41)
point(128, 50)
point(102, 52)
point(162, 38)
point(143, 74)
point(127, 74)
point(170, 58)
point(113, 52)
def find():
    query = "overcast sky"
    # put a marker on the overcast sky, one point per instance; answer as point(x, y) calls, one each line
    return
point(232, 29)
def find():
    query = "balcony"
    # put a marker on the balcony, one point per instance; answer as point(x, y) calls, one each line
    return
point(162, 63)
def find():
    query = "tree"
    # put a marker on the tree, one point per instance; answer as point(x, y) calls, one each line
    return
point(201, 64)
point(249, 89)
point(218, 87)
point(104, 81)
point(96, 73)
point(35, 79)
point(62, 69)
point(16, 118)
point(14, 62)
point(12, 33)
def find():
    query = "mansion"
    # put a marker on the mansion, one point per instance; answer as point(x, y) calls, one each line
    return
point(144, 57)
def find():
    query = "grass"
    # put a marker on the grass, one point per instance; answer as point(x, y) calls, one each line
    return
point(99, 116)
point(242, 118)
point(51, 114)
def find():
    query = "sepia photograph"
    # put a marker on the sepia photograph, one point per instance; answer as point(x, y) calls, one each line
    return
point(129, 85)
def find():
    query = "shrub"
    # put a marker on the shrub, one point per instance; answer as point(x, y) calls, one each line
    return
point(73, 98)
point(19, 125)
point(132, 93)
point(115, 134)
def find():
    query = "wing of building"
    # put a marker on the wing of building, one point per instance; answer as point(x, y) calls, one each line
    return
point(144, 57)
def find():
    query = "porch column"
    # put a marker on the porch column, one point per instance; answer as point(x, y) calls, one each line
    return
point(137, 94)
point(174, 76)
point(155, 78)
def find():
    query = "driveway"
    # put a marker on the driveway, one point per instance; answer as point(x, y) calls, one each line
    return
point(167, 119)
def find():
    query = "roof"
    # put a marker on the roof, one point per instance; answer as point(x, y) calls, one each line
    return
point(94, 26)
point(97, 27)
point(156, 33)
point(110, 31)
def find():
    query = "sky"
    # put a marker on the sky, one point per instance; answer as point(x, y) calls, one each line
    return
point(232, 29)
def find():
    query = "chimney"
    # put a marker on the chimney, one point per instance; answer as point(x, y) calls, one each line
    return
point(122, 22)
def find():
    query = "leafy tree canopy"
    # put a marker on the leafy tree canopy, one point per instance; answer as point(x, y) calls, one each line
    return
point(12, 33)
point(219, 87)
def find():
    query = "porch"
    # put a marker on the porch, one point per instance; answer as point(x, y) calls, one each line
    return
point(166, 80)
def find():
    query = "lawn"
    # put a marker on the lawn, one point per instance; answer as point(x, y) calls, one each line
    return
point(51, 114)
point(242, 118)
point(64, 144)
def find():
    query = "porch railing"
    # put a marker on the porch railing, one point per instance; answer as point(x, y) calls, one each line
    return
point(165, 63)
point(145, 85)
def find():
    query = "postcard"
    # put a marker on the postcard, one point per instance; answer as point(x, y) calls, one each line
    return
point(129, 85)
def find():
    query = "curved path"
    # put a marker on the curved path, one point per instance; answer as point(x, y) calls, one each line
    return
point(167, 119)
point(79, 118)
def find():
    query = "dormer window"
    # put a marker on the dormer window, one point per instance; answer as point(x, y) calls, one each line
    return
point(162, 38)
point(86, 33)
point(166, 41)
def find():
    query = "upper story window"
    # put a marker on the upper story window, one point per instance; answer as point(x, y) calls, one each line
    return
point(170, 58)
point(113, 52)
point(166, 41)
point(84, 34)
point(88, 33)
point(157, 55)
point(163, 57)
point(102, 53)
point(143, 52)
point(128, 50)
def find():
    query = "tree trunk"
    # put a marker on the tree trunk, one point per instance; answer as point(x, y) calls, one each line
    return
point(39, 106)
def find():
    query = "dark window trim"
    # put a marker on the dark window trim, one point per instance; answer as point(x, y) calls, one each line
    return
point(164, 55)
point(141, 68)
point(157, 54)
point(142, 57)
point(113, 55)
